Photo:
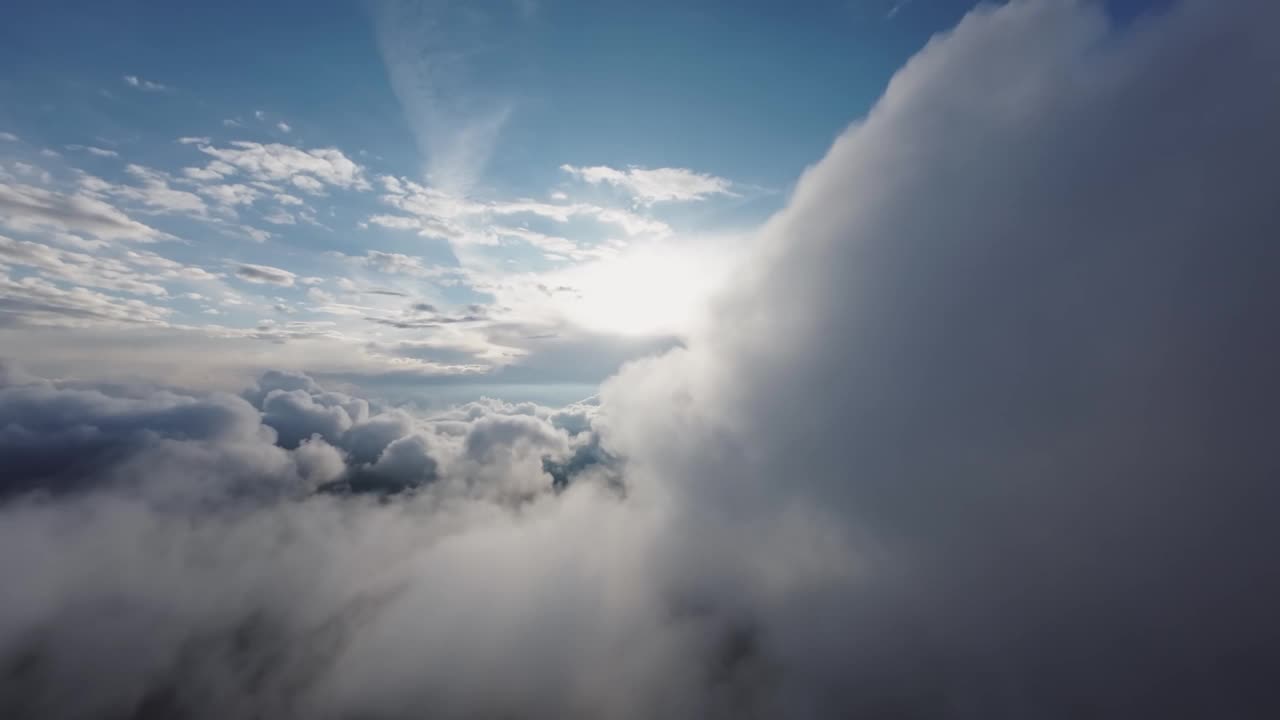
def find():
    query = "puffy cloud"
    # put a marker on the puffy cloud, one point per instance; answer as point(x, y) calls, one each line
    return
point(985, 419)
point(985, 431)
point(231, 194)
point(296, 416)
point(405, 463)
point(366, 440)
point(216, 170)
point(649, 186)
point(154, 193)
point(319, 462)
point(308, 184)
point(310, 170)
point(175, 519)
point(57, 437)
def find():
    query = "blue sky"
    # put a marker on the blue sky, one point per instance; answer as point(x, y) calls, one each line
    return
point(514, 194)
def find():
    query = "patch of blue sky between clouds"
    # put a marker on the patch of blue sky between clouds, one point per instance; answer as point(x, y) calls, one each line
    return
point(214, 184)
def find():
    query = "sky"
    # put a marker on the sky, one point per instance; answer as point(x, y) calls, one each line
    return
point(618, 361)
point(407, 195)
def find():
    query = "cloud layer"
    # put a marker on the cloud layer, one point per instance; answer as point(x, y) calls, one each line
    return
point(655, 185)
point(984, 430)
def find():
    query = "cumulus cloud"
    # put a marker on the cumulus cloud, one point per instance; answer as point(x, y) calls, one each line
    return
point(649, 186)
point(989, 412)
point(227, 529)
point(310, 170)
point(153, 192)
point(985, 431)
point(231, 194)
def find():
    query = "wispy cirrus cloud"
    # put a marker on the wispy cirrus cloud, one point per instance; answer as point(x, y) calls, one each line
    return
point(657, 185)
point(431, 53)
point(93, 150)
point(30, 208)
point(265, 274)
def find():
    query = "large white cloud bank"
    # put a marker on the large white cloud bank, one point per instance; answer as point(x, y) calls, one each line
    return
point(986, 429)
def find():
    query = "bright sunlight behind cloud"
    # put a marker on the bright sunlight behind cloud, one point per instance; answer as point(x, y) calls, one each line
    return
point(494, 360)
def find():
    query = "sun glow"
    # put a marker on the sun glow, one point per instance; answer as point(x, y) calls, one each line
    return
point(648, 290)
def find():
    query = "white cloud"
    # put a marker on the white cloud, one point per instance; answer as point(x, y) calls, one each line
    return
point(31, 171)
point(435, 213)
point(973, 397)
point(897, 7)
point(155, 191)
point(284, 127)
point(399, 264)
point(214, 171)
point(100, 152)
point(35, 301)
point(78, 268)
point(31, 209)
point(279, 217)
point(549, 243)
point(141, 84)
point(430, 58)
point(308, 184)
point(984, 428)
point(274, 162)
point(655, 185)
point(231, 194)
point(255, 234)
point(8, 137)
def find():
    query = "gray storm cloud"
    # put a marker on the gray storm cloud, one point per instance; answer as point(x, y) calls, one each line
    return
point(986, 430)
